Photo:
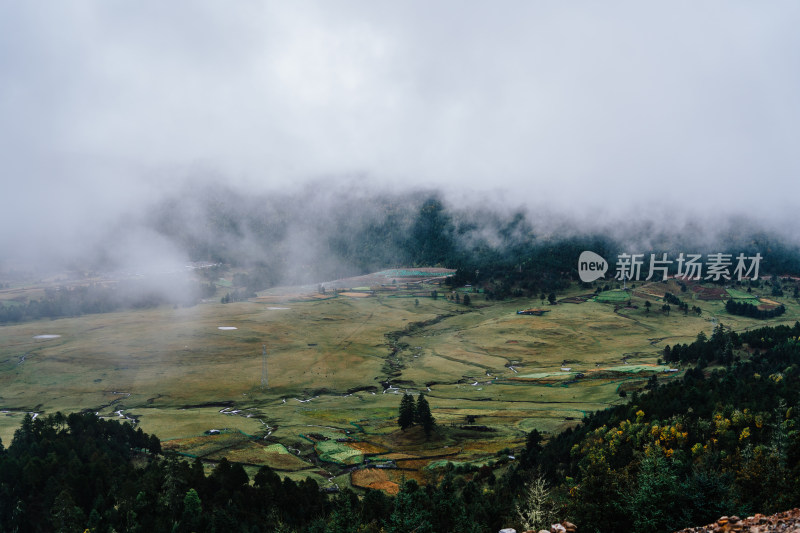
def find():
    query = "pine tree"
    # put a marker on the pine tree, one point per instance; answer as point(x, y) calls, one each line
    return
point(411, 510)
point(192, 509)
point(407, 412)
point(423, 415)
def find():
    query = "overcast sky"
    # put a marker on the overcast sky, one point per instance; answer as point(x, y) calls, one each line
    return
point(634, 105)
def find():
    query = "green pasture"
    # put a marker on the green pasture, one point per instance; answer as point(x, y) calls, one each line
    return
point(176, 373)
point(613, 296)
point(741, 295)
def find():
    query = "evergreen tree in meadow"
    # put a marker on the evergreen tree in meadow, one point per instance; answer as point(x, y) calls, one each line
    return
point(407, 412)
point(423, 415)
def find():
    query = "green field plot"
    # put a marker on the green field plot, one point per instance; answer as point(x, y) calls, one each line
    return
point(741, 295)
point(277, 457)
point(335, 452)
point(615, 296)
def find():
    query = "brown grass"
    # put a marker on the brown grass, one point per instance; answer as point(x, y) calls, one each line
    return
point(414, 464)
point(387, 486)
point(398, 455)
point(401, 476)
point(366, 447)
point(363, 477)
point(485, 446)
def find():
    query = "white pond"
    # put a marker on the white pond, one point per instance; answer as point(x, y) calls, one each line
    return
point(46, 336)
point(227, 328)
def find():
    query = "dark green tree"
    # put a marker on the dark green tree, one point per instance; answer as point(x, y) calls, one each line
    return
point(407, 412)
point(66, 516)
point(423, 415)
point(656, 500)
point(411, 511)
point(191, 511)
point(375, 507)
point(344, 517)
point(432, 234)
point(533, 447)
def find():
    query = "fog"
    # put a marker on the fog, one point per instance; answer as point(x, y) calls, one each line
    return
point(639, 120)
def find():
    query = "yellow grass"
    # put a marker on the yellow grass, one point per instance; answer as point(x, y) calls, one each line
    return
point(364, 476)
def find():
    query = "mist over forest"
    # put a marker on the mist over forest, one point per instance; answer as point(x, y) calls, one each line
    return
point(330, 230)
point(327, 231)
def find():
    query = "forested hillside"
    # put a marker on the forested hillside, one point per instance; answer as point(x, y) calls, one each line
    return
point(725, 442)
point(325, 234)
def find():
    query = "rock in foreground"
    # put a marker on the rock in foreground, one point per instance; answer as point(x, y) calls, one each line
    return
point(788, 521)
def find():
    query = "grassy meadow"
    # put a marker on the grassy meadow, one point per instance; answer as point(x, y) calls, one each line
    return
point(178, 375)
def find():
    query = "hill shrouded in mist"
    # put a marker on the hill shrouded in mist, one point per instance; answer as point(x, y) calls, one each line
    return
point(321, 232)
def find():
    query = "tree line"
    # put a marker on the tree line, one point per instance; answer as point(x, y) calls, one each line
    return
point(95, 298)
point(752, 311)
